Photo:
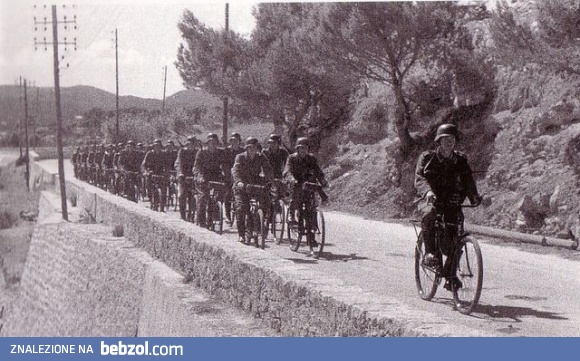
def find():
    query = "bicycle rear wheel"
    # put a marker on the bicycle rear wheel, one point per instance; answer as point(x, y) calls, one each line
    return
point(260, 230)
point(319, 231)
point(470, 273)
point(426, 278)
point(295, 231)
point(278, 221)
point(219, 214)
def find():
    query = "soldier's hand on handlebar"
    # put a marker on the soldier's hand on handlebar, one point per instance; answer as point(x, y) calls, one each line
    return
point(430, 197)
point(240, 185)
point(476, 199)
point(324, 183)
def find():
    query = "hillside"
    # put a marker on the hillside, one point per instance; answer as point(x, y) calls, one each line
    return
point(524, 147)
point(78, 100)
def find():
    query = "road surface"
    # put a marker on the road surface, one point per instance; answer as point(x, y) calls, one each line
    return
point(524, 293)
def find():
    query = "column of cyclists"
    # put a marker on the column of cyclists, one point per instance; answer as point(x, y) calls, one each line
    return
point(263, 191)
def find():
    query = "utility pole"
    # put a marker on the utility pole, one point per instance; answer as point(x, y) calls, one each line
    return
point(164, 87)
point(20, 122)
point(55, 43)
point(117, 88)
point(225, 66)
point(26, 159)
point(36, 116)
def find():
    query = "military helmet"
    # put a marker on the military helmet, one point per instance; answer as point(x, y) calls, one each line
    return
point(446, 130)
point(251, 141)
point(274, 138)
point(302, 142)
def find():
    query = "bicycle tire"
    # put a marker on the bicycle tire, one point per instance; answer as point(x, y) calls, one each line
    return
point(261, 230)
point(220, 213)
point(470, 273)
point(232, 215)
point(191, 209)
point(279, 223)
point(426, 278)
point(319, 234)
point(294, 235)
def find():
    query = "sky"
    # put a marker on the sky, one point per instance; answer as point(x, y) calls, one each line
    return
point(148, 39)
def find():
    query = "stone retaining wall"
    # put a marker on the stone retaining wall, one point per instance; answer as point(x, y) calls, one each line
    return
point(293, 299)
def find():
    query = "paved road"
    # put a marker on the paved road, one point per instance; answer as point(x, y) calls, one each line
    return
point(524, 294)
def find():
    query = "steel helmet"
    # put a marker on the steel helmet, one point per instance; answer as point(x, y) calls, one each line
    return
point(446, 130)
point(302, 142)
point(251, 141)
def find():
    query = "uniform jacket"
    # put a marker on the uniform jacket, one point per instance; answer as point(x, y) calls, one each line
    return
point(108, 158)
point(210, 166)
point(248, 170)
point(170, 158)
point(303, 169)
point(277, 160)
point(155, 162)
point(446, 178)
point(185, 161)
point(129, 161)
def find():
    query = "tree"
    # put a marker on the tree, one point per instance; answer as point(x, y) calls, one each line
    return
point(384, 42)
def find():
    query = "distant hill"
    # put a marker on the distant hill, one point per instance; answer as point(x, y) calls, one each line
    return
point(80, 99)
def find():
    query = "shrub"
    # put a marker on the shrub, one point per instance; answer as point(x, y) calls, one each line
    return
point(118, 231)
point(7, 220)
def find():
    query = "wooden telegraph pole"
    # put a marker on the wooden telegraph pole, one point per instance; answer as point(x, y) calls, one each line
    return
point(55, 43)
point(225, 66)
point(164, 88)
point(117, 88)
point(27, 156)
point(20, 122)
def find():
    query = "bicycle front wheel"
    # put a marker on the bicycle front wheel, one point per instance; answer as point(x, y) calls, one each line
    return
point(278, 221)
point(470, 273)
point(319, 234)
point(426, 278)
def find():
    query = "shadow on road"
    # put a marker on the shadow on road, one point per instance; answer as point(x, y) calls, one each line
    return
point(329, 256)
point(302, 260)
point(513, 313)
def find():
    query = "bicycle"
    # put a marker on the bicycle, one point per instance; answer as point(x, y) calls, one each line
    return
point(464, 261)
point(157, 196)
point(110, 180)
point(130, 180)
point(172, 191)
point(256, 228)
point(187, 206)
point(276, 220)
point(310, 222)
point(215, 216)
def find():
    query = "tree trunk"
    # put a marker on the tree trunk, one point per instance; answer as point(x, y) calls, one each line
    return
point(402, 118)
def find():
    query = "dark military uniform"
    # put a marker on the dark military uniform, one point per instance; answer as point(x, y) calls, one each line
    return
point(129, 162)
point(156, 163)
point(451, 180)
point(247, 170)
point(277, 160)
point(209, 166)
point(184, 167)
point(299, 170)
point(231, 154)
point(75, 160)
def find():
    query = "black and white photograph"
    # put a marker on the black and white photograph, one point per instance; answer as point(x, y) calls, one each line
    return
point(289, 169)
